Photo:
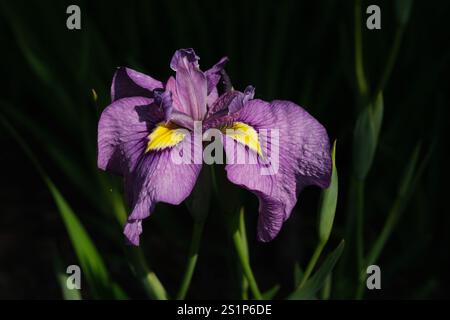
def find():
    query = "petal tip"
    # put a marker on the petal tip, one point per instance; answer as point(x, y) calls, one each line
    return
point(265, 236)
point(132, 231)
point(180, 54)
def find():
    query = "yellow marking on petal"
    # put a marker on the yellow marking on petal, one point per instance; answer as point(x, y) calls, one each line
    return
point(244, 134)
point(164, 136)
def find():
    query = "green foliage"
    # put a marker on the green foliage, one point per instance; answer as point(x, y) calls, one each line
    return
point(271, 293)
point(365, 137)
point(62, 277)
point(316, 282)
point(403, 10)
point(328, 202)
point(305, 55)
point(91, 262)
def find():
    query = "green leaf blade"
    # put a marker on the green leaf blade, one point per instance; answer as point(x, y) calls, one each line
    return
point(316, 282)
point(365, 137)
point(328, 202)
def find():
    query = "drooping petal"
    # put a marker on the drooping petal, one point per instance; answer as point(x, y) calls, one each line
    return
point(132, 231)
point(191, 84)
point(122, 132)
point(276, 178)
point(130, 83)
point(159, 177)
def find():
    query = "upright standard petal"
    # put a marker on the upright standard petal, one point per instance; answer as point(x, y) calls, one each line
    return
point(171, 85)
point(191, 84)
point(295, 153)
point(130, 83)
point(214, 74)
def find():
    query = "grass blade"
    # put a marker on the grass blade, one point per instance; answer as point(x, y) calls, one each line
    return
point(68, 294)
point(328, 202)
point(316, 282)
point(91, 262)
point(365, 137)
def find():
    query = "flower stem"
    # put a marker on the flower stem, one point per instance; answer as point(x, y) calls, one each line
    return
point(240, 248)
point(361, 81)
point(386, 232)
point(359, 184)
point(390, 61)
point(372, 257)
point(326, 291)
point(192, 259)
point(150, 282)
point(312, 262)
point(243, 234)
point(360, 290)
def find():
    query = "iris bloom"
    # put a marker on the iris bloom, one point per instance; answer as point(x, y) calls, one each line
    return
point(149, 120)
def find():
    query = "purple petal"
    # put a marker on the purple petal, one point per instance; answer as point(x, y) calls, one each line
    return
point(304, 159)
point(171, 86)
point(184, 57)
point(191, 85)
point(220, 106)
point(238, 103)
point(157, 178)
point(164, 100)
point(212, 97)
point(213, 75)
point(122, 133)
point(181, 119)
point(229, 103)
point(131, 83)
point(150, 177)
point(132, 231)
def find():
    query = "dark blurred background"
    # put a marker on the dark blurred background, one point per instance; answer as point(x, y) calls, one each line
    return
point(301, 51)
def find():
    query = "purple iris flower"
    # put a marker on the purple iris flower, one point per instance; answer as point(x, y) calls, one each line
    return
point(149, 120)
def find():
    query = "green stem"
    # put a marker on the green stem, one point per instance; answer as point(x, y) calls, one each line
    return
point(372, 257)
point(242, 231)
point(390, 61)
point(349, 233)
point(192, 259)
point(326, 291)
point(243, 234)
point(359, 64)
point(359, 185)
point(239, 245)
point(312, 262)
point(360, 290)
point(152, 286)
point(405, 191)
point(389, 225)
